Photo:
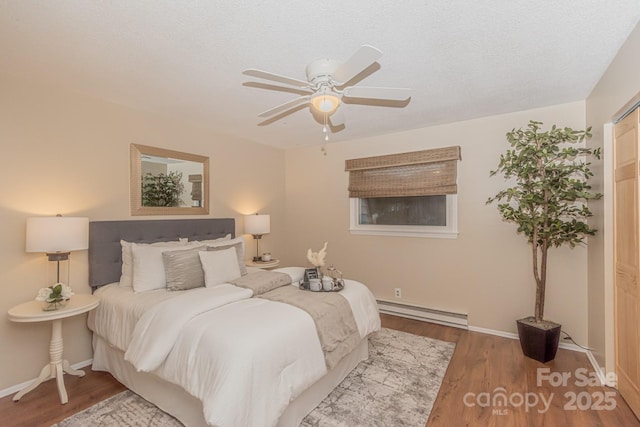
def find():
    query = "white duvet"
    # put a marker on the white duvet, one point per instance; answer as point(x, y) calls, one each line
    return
point(244, 358)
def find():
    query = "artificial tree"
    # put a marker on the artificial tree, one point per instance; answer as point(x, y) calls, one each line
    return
point(548, 201)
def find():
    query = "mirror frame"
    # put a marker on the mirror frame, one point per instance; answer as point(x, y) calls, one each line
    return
point(137, 151)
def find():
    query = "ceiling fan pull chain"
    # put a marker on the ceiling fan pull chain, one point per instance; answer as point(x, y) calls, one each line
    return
point(324, 128)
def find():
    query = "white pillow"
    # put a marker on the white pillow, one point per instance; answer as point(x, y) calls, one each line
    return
point(213, 241)
point(224, 241)
point(126, 277)
point(219, 266)
point(239, 245)
point(148, 266)
point(296, 273)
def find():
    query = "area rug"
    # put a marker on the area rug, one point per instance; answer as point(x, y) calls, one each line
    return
point(396, 386)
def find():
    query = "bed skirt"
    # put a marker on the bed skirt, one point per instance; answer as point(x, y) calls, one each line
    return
point(186, 408)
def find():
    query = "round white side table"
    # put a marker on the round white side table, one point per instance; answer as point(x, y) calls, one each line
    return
point(32, 312)
point(265, 265)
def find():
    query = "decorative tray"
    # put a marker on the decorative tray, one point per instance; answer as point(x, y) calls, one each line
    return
point(338, 285)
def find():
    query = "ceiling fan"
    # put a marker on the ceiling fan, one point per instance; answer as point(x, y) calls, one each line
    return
point(327, 84)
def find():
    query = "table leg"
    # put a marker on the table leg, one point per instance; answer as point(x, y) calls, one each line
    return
point(69, 370)
point(62, 391)
point(56, 367)
point(56, 349)
point(45, 374)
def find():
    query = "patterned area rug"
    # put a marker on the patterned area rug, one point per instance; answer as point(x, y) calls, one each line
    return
point(396, 386)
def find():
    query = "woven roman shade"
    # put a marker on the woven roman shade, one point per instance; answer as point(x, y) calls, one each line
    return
point(418, 173)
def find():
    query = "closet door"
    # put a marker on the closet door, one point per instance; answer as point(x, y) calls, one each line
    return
point(627, 260)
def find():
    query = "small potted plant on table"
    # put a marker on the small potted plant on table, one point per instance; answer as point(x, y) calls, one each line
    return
point(548, 204)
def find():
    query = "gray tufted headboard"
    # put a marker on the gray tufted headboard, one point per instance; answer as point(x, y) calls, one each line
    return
point(105, 252)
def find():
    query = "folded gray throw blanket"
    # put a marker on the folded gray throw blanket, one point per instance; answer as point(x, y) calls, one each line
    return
point(262, 281)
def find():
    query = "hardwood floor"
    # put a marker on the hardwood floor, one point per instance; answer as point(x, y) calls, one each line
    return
point(42, 407)
point(481, 365)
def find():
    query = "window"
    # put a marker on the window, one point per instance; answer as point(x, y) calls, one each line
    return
point(429, 216)
point(415, 210)
point(407, 194)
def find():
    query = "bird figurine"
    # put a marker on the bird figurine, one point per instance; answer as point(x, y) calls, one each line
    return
point(317, 258)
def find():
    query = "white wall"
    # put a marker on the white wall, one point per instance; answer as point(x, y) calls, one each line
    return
point(69, 154)
point(485, 272)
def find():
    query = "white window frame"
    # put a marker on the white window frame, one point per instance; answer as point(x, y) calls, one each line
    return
point(450, 231)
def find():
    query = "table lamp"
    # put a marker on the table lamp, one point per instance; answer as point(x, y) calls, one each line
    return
point(257, 225)
point(57, 236)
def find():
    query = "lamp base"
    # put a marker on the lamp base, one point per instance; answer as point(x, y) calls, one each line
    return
point(58, 256)
point(257, 238)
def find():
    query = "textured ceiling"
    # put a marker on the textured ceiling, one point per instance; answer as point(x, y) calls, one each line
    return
point(462, 59)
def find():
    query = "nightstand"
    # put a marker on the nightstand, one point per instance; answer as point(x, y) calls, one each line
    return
point(32, 312)
point(265, 265)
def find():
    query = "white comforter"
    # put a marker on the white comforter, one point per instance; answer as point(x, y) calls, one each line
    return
point(156, 332)
point(244, 358)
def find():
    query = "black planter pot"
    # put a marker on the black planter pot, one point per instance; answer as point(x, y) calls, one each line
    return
point(539, 342)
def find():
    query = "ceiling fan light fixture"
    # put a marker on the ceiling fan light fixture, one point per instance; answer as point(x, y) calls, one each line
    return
point(326, 86)
point(325, 102)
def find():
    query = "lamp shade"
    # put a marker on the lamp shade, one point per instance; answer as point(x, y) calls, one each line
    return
point(257, 224)
point(57, 234)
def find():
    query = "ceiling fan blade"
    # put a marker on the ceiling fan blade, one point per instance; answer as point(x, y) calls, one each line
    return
point(337, 118)
point(294, 90)
point(283, 107)
point(389, 93)
point(364, 57)
point(275, 77)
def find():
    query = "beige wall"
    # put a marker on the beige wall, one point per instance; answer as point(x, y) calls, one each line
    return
point(485, 272)
point(616, 88)
point(65, 153)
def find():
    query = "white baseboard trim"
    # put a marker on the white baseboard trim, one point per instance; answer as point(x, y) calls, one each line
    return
point(598, 370)
point(567, 346)
point(514, 336)
point(16, 388)
point(458, 320)
point(425, 314)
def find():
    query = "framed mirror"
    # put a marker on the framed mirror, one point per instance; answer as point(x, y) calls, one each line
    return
point(167, 182)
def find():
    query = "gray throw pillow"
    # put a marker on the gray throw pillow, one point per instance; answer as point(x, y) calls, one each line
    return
point(239, 251)
point(183, 269)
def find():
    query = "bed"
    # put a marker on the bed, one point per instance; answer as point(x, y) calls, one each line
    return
point(248, 351)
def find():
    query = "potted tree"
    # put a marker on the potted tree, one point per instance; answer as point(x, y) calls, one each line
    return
point(548, 204)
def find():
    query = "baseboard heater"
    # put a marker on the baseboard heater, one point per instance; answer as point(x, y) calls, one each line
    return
point(410, 311)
